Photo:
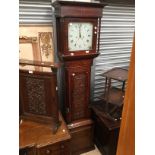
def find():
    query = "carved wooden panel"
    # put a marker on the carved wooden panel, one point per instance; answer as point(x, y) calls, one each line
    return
point(78, 88)
point(79, 93)
point(46, 45)
point(36, 95)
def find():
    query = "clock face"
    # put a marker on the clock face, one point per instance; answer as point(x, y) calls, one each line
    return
point(80, 35)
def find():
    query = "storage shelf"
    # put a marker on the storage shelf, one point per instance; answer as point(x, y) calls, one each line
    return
point(114, 96)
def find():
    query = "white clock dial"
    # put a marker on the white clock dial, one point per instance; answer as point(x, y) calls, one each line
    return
point(80, 35)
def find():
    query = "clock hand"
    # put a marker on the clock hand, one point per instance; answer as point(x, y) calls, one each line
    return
point(80, 31)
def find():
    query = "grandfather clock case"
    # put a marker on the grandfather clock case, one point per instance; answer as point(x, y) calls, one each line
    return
point(78, 29)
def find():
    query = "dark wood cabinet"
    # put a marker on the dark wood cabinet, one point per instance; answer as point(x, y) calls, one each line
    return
point(38, 94)
point(106, 131)
point(108, 110)
point(37, 139)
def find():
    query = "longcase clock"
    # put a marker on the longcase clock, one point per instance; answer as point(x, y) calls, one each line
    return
point(78, 29)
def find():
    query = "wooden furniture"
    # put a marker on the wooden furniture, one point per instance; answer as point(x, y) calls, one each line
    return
point(38, 93)
point(78, 29)
point(126, 142)
point(82, 136)
point(106, 131)
point(107, 112)
point(37, 139)
point(114, 96)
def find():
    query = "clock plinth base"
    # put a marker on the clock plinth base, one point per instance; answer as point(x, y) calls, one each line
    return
point(82, 136)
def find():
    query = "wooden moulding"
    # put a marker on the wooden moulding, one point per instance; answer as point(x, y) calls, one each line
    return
point(80, 123)
point(78, 9)
point(78, 57)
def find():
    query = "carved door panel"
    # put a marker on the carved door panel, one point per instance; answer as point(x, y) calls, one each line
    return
point(78, 93)
point(38, 95)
